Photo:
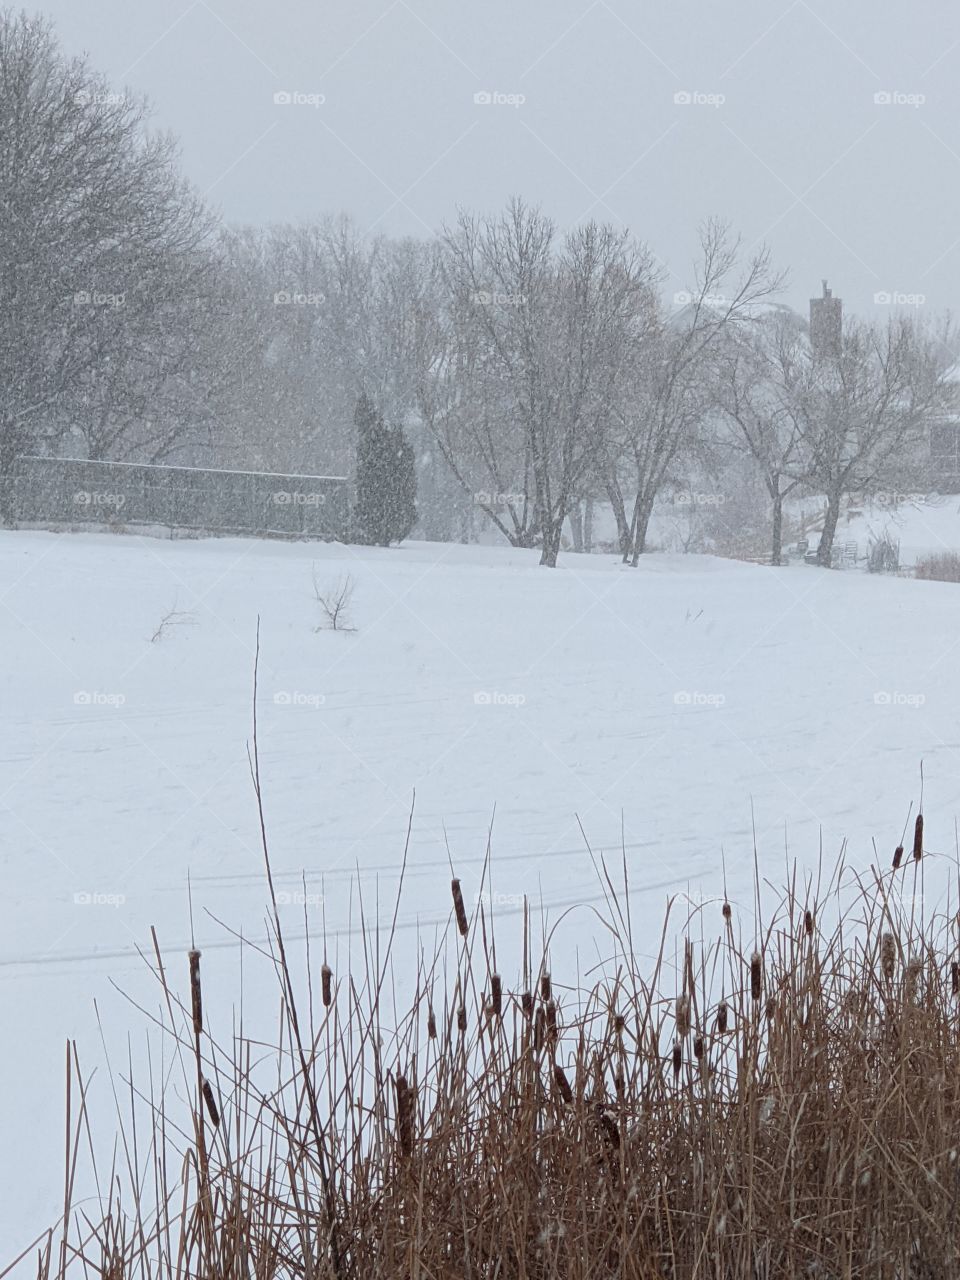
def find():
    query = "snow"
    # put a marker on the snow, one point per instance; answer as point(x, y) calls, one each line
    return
point(695, 704)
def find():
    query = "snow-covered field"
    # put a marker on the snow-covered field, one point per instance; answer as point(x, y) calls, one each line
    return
point(682, 703)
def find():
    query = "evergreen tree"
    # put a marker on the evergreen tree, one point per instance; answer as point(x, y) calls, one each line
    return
point(386, 479)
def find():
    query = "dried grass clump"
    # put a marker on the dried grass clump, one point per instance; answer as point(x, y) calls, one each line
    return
point(792, 1113)
point(942, 566)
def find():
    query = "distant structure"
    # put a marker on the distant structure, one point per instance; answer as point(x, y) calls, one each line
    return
point(826, 323)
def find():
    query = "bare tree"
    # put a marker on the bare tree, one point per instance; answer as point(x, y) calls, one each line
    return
point(863, 406)
point(671, 390)
point(755, 371)
point(91, 217)
point(553, 330)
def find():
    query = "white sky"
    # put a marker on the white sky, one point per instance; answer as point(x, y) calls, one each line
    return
point(798, 154)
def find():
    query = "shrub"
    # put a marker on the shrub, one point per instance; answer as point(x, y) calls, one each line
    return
point(944, 566)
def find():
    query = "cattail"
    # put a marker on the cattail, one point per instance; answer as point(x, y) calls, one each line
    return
point(808, 923)
point(897, 856)
point(619, 1083)
point(552, 1022)
point(563, 1084)
point(727, 913)
point(496, 995)
point(954, 978)
point(608, 1125)
point(918, 838)
point(326, 985)
point(677, 1058)
point(546, 988)
point(459, 908)
point(539, 1030)
point(195, 995)
point(683, 1016)
point(461, 1019)
point(888, 954)
point(526, 1003)
point(756, 975)
point(619, 1022)
point(771, 1008)
point(721, 1017)
point(405, 1101)
point(211, 1102)
point(431, 1024)
point(698, 1047)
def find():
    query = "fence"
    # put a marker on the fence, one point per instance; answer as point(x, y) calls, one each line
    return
point(71, 491)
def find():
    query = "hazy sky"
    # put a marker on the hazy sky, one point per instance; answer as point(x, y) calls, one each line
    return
point(783, 136)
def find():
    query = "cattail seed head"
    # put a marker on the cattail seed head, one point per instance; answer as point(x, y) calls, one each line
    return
point(698, 1047)
point(458, 907)
point(677, 1058)
point(539, 1030)
point(722, 1017)
point(911, 978)
point(461, 1019)
point(897, 856)
point(619, 1022)
point(888, 955)
point(756, 975)
point(563, 1084)
point(431, 1023)
point(552, 1023)
point(326, 984)
point(954, 978)
point(405, 1109)
point(727, 912)
point(918, 838)
point(546, 987)
point(211, 1104)
point(526, 1003)
point(496, 995)
point(683, 1016)
point(808, 922)
point(771, 1009)
point(195, 992)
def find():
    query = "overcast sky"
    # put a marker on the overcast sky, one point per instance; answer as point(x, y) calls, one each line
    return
point(783, 135)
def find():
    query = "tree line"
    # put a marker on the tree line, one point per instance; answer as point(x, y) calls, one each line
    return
point(526, 375)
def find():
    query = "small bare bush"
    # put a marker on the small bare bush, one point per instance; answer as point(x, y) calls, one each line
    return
point(335, 600)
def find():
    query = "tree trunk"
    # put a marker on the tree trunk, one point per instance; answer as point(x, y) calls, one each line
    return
point(576, 525)
point(776, 556)
point(825, 549)
point(641, 523)
point(8, 457)
point(551, 544)
point(624, 535)
point(588, 526)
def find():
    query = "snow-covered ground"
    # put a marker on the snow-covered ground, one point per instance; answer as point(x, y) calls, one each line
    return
point(684, 703)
